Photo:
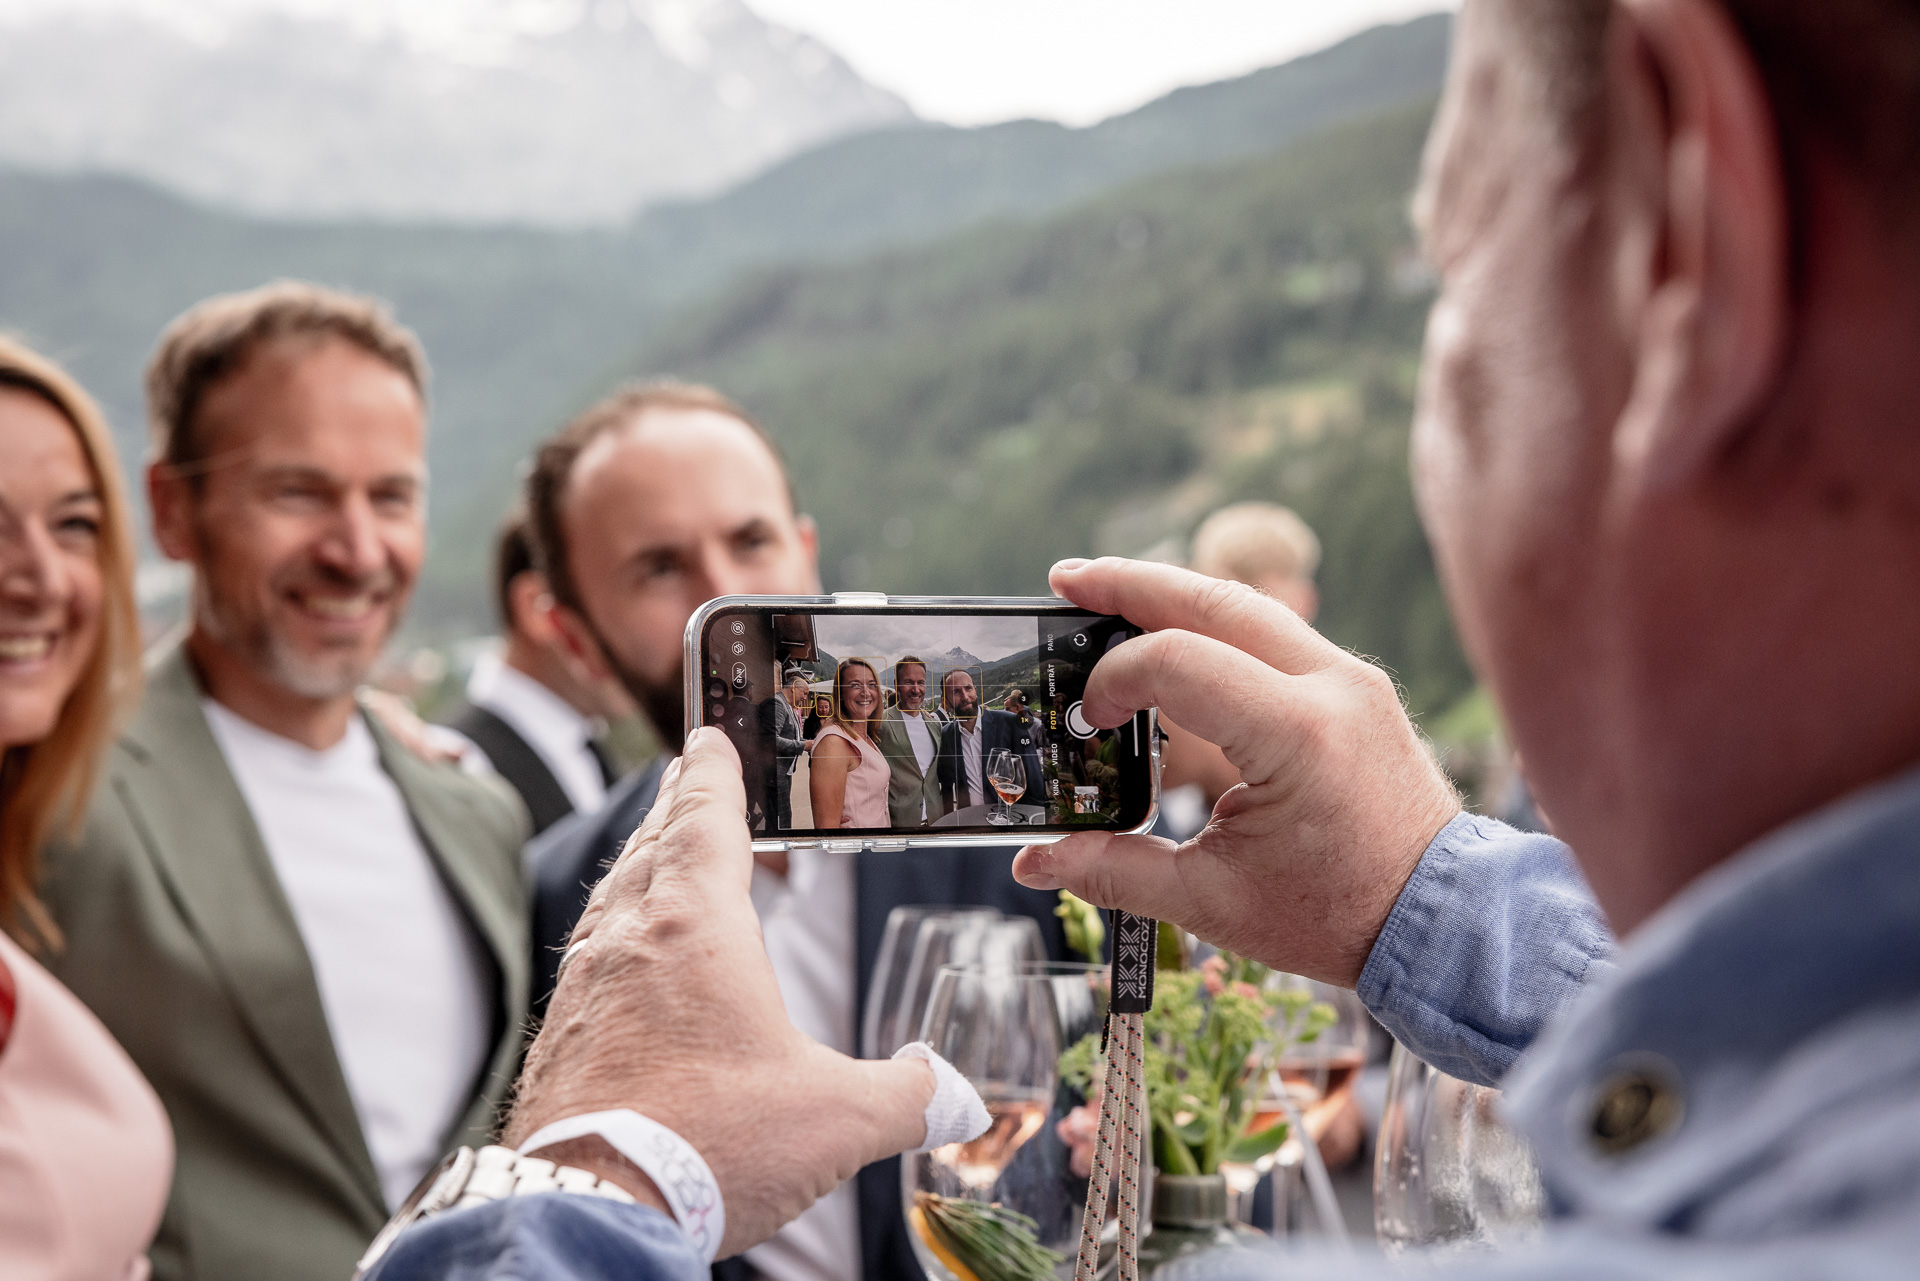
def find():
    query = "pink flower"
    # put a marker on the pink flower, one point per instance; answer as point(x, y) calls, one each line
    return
point(1080, 1130)
point(1213, 972)
point(1247, 990)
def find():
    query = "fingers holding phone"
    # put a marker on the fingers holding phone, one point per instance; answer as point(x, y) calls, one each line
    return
point(1340, 796)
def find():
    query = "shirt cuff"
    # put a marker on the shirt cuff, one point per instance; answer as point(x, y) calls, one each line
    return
point(1494, 931)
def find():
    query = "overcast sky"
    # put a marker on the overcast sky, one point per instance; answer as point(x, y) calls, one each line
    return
point(962, 61)
point(975, 61)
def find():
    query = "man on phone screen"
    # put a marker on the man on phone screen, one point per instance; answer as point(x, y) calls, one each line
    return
point(971, 738)
point(910, 739)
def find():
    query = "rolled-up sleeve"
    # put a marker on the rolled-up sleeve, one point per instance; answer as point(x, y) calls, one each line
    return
point(547, 1237)
point(1495, 930)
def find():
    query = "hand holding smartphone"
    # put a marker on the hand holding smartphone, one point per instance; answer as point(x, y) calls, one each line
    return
point(864, 721)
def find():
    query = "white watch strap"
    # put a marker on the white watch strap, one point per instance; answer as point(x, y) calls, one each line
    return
point(663, 1156)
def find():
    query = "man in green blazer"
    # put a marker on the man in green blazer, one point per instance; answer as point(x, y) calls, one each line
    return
point(310, 939)
point(910, 740)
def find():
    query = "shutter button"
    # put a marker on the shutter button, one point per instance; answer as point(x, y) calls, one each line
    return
point(1636, 1103)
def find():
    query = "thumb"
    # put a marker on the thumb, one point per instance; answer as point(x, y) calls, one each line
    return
point(1133, 873)
point(899, 1091)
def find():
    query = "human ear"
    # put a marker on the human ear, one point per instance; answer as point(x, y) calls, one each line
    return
point(1711, 329)
point(809, 535)
point(532, 608)
point(575, 635)
point(170, 499)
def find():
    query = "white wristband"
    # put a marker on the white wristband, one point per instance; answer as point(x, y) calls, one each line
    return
point(663, 1156)
point(955, 1112)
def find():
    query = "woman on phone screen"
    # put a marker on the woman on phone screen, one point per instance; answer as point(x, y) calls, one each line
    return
point(849, 776)
point(85, 1150)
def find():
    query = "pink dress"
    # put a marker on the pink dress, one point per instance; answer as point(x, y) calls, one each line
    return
point(866, 800)
point(85, 1150)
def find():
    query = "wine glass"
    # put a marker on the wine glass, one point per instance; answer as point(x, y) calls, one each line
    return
point(1008, 774)
point(999, 1026)
point(1448, 1173)
point(965, 937)
point(879, 1020)
point(1310, 1084)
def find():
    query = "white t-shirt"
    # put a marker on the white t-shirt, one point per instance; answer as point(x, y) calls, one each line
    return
point(806, 919)
point(923, 733)
point(402, 978)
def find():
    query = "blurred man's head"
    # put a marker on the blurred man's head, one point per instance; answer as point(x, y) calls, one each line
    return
point(796, 687)
point(289, 438)
point(910, 683)
point(1262, 545)
point(959, 695)
point(1664, 444)
point(1015, 702)
point(534, 645)
point(645, 507)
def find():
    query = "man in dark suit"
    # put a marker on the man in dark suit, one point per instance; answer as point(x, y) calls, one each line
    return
point(971, 738)
point(530, 711)
point(780, 725)
point(644, 508)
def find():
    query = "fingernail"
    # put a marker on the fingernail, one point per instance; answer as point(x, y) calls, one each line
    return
point(1034, 877)
point(1070, 564)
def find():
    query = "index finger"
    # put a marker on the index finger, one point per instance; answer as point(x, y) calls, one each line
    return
point(1161, 597)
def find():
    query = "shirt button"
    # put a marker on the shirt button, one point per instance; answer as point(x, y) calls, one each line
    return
point(1635, 1104)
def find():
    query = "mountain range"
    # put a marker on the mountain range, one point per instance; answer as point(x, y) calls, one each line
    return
point(580, 119)
point(980, 349)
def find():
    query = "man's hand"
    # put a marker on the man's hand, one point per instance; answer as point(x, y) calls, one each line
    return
point(669, 1007)
point(1338, 797)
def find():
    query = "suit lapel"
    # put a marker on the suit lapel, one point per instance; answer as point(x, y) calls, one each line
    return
point(203, 837)
point(493, 898)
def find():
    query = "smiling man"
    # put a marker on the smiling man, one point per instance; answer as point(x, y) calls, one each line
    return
point(310, 941)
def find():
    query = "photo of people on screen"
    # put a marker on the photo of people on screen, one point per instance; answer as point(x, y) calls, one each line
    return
point(897, 722)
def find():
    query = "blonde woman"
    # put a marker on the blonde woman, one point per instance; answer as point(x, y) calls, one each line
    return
point(849, 777)
point(85, 1150)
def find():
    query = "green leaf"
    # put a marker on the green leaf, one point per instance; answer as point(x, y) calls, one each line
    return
point(1249, 1148)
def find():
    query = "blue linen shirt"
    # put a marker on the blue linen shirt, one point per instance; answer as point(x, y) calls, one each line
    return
point(1778, 996)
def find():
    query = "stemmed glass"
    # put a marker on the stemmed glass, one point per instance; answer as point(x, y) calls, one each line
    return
point(966, 937)
point(1310, 1084)
point(1448, 1173)
point(1008, 774)
point(878, 1023)
point(1000, 1027)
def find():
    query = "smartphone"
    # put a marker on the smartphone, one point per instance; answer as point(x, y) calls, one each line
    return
point(864, 721)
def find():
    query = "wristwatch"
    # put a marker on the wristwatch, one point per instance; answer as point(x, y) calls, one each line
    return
point(466, 1177)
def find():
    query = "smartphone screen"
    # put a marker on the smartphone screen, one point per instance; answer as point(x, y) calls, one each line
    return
point(920, 722)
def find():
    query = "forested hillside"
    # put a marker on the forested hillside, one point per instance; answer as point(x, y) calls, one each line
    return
point(962, 410)
point(523, 326)
point(961, 415)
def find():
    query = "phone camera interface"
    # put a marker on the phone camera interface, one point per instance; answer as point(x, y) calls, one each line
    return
point(903, 723)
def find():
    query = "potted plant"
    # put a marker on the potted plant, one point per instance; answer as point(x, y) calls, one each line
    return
point(1214, 1034)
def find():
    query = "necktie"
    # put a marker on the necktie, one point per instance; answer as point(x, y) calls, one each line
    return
point(609, 772)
